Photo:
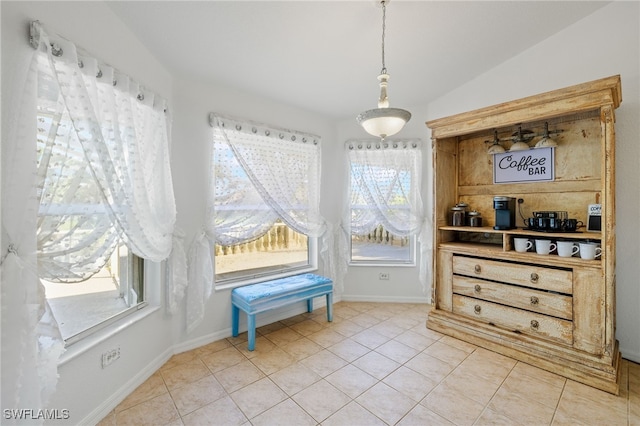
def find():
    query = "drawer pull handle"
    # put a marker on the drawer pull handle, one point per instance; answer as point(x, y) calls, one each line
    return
point(534, 324)
point(477, 288)
point(534, 277)
point(477, 269)
point(534, 300)
point(477, 309)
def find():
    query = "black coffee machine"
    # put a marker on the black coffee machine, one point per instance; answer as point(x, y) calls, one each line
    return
point(505, 208)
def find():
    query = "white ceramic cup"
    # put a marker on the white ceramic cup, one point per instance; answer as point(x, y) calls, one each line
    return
point(544, 246)
point(590, 251)
point(567, 248)
point(522, 244)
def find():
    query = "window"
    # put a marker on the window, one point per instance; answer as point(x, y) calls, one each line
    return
point(104, 189)
point(264, 209)
point(386, 209)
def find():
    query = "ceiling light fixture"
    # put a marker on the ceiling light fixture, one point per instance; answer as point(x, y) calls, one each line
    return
point(383, 121)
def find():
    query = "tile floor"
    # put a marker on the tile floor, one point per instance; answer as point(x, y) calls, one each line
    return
point(375, 364)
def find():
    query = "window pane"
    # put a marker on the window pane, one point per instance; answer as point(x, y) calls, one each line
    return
point(381, 246)
point(281, 249)
point(83, 307)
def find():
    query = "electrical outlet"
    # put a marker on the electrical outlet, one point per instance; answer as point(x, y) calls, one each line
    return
point(109, 356)
point(383, 276)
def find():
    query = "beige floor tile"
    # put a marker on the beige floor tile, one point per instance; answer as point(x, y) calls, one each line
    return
point(238, 376)
point(364, 320)
point(386, 403)
point(152, 387)
point(410, 383)
point(397, 351)
point(449, 354)
point(353, 414)
point(108, 420)
point(272, 361)
point(262, 346)
point(183, 374)
point(326, 337)
point(414, 340)
point(379, 366)
point(270, 328)
point(532, 388)
point(295, 319)
point(388, 329)
point(239, 339)
point(346, 328)
point(283, 336)
point(349, 350)
point(258, 397)
point(216, 346)
point(422, 416)
point(286, 413)
point(301, 348)
point(407, 321)
point(473, 386)
point(521, 409)
point(423, 330)
point(344, 311)
point(294, 378)
point(156, 411)
point(590, 405)
point(429, 366)
point(324, 362)
point(452, 405)
point(459, 344)
point(370, 338)
point(190, 397)
point(182, 358)
point(307, 327)
point(321, 400)
point(522, 369)
point(221, 412)
point(225, 358)
point(351, 380)
point(491, 418)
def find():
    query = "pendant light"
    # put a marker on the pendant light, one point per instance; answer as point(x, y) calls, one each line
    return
point(383, 121)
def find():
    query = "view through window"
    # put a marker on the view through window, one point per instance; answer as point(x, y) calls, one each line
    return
point(280, 250)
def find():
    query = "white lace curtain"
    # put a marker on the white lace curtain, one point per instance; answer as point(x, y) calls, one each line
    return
point(385, 185)
point(259, 174)
point(79, 128)
point(103, 166)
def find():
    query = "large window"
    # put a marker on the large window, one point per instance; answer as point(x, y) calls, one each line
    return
point(385, 204)
point(265, 202)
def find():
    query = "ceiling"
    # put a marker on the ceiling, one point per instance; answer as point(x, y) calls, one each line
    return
point(325, 56)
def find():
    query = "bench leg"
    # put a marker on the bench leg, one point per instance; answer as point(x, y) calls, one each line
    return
point(251, 331)
point(310, 305)
point(329, 307)
point(235, 319)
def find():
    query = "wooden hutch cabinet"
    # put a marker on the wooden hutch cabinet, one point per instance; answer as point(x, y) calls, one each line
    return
point(557, 313)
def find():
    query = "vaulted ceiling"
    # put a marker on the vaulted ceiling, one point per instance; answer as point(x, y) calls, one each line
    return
point(325, 56)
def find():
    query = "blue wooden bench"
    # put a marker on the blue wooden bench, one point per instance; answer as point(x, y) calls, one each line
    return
point(256, 298)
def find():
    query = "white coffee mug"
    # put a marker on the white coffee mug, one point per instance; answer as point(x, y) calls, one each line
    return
point(590, 251)
point(567, 248)
point(544, 246)
point(522, 244)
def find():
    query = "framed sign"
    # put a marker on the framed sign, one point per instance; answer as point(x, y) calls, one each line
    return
point(531, 165)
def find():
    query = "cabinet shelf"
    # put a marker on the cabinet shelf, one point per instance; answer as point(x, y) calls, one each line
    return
point(579, 235)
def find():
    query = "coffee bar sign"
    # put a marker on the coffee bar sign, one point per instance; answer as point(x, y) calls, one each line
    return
point(531, 165)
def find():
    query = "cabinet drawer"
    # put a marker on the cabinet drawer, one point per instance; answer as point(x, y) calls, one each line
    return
point(514, 319)
point(557, 305)
point(514, 273)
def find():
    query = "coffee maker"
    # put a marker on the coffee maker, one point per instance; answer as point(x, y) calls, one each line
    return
point(505, 208)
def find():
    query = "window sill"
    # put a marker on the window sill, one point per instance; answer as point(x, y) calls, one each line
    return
point(229, 285)
point(78, 348)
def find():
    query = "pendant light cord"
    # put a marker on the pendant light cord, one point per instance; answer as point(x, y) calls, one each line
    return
point(384, 27)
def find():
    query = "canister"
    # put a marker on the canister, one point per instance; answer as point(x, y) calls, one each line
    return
point(457, 216)
point(474, 218)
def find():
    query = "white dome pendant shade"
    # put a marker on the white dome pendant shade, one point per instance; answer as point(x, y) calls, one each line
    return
point(383, 121)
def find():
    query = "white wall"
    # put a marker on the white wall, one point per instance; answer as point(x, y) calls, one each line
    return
point(603, 44)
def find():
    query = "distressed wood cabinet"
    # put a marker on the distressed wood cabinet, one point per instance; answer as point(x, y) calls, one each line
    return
point(557, 313)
